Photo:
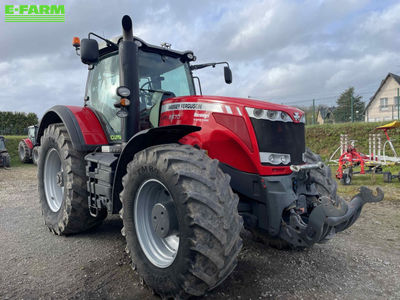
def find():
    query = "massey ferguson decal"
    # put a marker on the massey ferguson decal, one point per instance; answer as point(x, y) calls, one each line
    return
point(211, 107)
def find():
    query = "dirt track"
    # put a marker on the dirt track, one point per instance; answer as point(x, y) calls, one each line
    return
point(363, 262)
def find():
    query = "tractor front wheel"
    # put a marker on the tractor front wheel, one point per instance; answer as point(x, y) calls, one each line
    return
point(62, 184)
point(24, 152)
point(180, 218)
point(35, 155)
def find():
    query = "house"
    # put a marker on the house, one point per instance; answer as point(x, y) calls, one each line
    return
point(383, 106)
point(325, 115)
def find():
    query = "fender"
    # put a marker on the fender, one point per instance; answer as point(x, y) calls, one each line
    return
point(82, 125)
point(141, 140)
point(28, 142)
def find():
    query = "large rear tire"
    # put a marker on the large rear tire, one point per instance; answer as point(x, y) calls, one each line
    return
point(24, 152)
point(200, 248)
point(62, 184)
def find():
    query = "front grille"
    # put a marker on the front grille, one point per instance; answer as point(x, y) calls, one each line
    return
point(280, 137)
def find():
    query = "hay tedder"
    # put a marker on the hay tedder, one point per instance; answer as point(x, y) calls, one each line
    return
point(374, 161)
point(184, 171)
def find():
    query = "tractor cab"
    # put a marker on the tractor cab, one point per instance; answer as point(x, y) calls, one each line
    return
point(32, 133)
point(162, 75)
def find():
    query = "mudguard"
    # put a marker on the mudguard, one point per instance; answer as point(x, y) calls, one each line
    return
point(28, 142)
point(82, 125)
point(141, 140)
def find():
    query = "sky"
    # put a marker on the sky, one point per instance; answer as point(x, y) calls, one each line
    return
point(281, 51)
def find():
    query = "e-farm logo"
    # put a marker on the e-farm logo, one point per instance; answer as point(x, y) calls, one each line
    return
point(34, 13)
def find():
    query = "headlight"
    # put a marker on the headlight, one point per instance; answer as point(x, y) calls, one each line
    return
point(274, 158)
point(272, 115)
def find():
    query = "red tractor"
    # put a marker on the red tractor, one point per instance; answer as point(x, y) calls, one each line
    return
point(184, 171)
point(27, 148)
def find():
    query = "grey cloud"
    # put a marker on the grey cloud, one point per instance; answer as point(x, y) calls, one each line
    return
point(282, 49)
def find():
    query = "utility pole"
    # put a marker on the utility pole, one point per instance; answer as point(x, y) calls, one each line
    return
point(313, 113)
point(398, 104)
point(352, 108)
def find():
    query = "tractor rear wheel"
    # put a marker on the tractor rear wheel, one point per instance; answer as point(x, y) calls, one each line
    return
point(24, 152)
point(180, 218)
point(62, 184)
point(5, 158)
point(35, 155)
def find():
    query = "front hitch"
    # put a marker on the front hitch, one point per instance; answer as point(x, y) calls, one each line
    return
point(327, 218)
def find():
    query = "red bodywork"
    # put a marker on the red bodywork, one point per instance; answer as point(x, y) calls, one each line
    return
point(28, 142)
point(90, 126)
point(227, 133)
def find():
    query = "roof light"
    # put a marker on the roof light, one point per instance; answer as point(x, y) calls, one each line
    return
point(76, 42)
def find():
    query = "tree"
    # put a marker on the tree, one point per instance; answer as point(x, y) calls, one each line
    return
point(16, 122)
point(343, 109)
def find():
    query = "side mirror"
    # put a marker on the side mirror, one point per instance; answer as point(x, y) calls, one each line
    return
point(228, 75)
point(89, 51)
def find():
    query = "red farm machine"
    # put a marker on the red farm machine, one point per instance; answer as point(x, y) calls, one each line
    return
point(27, 148)
point(184, 171)
point(371, 163)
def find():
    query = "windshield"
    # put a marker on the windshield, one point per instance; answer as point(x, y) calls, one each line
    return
point(2, 145)
point(160, 77)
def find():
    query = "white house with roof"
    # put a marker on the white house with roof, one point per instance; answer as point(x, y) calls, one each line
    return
point(383, 105)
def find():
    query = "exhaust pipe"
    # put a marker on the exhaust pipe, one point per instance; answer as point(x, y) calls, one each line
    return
point(129, 77)
point(127, 29)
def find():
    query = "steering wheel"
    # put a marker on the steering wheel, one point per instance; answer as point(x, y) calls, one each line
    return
point(146, 83)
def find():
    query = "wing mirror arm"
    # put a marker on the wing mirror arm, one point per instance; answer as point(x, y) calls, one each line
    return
point(227, 69)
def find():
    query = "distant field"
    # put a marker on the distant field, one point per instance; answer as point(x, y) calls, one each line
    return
point(12, 142)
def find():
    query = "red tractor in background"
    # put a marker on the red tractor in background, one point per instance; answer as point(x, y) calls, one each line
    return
point(184, 171)
point(27, 148)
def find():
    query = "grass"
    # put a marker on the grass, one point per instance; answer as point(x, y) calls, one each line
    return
point(12, 142)
point(391, 190)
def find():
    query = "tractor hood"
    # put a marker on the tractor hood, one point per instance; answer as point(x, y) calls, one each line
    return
point(233, 102)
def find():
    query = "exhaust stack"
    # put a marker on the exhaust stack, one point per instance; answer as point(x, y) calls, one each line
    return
point(129, 77)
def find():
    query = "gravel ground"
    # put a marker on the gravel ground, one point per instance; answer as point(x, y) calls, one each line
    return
point(363, 262)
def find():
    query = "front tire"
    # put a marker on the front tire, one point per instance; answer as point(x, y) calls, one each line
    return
point(35, 155)
point(24, 152)
point(201, 247)
point(62, 184)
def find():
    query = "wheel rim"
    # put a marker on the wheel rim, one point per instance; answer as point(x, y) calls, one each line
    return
point(53, 181)
point(160, 251)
